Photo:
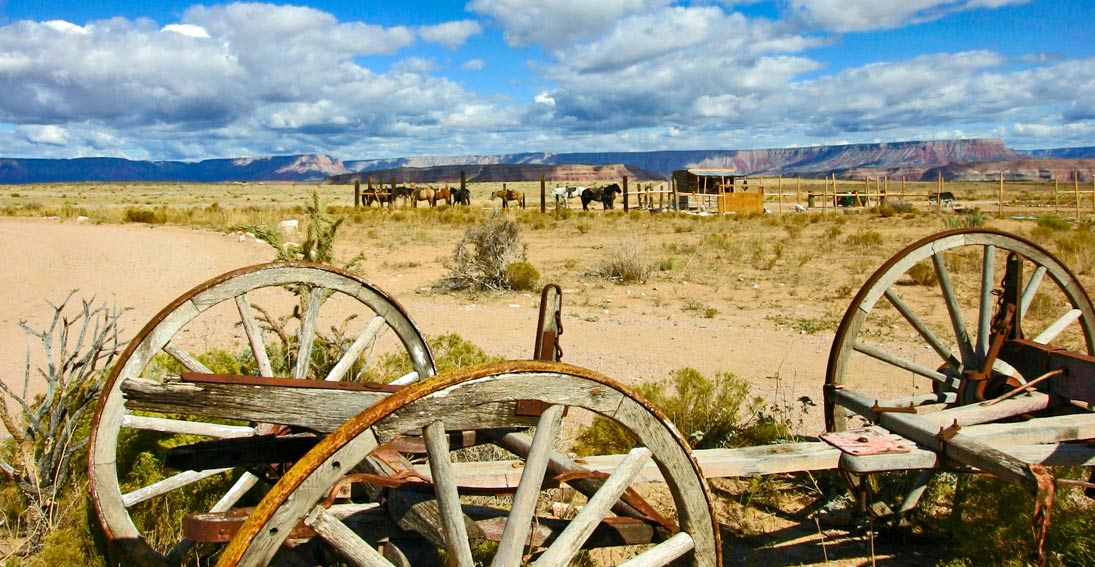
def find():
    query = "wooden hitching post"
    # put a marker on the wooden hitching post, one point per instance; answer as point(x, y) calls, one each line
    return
point(391, 195)
point(543, 195)
point(357, 193)
point(625, 193)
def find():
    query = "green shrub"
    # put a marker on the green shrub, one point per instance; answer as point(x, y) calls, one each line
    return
point(522, 276)
point(972, 219)
point(710, 412)
point(1053, 222)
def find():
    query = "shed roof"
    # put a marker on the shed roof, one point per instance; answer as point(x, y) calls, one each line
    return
point(704, 172)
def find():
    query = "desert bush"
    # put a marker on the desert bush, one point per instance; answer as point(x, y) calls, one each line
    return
point(319, 239)
point(923, 273)
point(972, 219)
point(522, 276)
point(625, 263)
point(480, 258)
point(865, 237)
point(710, 412)
point(145, 216)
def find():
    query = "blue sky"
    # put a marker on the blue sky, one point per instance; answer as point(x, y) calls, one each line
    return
point(362, 79)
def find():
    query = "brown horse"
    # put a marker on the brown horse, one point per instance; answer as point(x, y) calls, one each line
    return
point(377, 195)
point(508, 195)
point(444, 194)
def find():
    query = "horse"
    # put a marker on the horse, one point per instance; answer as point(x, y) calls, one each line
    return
point(424, 194)
point(563, 194)
point(462, 196)
point(606, 195)
point(375, 195)
point(444, 194)
point(508, 195)
point(401, 191)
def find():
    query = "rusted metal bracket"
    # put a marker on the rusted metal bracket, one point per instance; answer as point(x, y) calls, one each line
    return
point(946, 434)
point(1043, 509)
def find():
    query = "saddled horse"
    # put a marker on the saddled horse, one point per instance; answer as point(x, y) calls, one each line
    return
point(563, 194)
point(507, 195)
point(377, 195)
point(401, 192)
point(461, 196)
point(606, 195)
point(424, 194)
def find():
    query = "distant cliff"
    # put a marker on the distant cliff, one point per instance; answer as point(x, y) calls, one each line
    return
point(278, 168)
point(955, 159)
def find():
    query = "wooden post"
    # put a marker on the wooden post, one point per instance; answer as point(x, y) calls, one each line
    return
point(1076, 190)
point(939, 191)
point(391, 195)
point(1056, 191)
point(543, 195)
point(625, 193)
point(357, 193)
point(1001, 212)
point(779, 192)
point(866, 190)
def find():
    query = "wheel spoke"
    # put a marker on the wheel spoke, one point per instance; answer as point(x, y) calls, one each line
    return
point(308, 332)
point(186, 359)
point(254, 336)
point(662, 554)
point(167, 485)
point(515, 534)
point(922, 329)
point(343, 539)
point(1031, 290)
point(1058, 326)
point(360, 344)
point(568, 543)
point(239, 488)
point(984, 311)
point(444, 482)
point(164, 425)
point(905, 364)
point(961, 335)
point(408, 378)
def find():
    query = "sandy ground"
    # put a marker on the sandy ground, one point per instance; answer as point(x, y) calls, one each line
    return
point(617, 330)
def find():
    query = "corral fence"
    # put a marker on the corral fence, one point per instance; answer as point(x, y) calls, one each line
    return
point(784, 194)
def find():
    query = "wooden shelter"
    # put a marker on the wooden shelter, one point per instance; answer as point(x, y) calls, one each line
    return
point(722, 190)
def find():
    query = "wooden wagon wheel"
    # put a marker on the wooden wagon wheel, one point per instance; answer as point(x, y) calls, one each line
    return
point(470, 399)
point(925, 316)
point(287, 319)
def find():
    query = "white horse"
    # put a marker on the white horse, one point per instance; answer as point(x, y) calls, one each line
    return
point(563, 195)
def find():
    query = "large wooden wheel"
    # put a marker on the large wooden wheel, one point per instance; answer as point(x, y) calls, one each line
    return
point(924, 317)
point(294, 320)
point(924, 321)
point(481, 398)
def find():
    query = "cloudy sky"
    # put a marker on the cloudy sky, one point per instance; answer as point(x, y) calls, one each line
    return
point(359, 79)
